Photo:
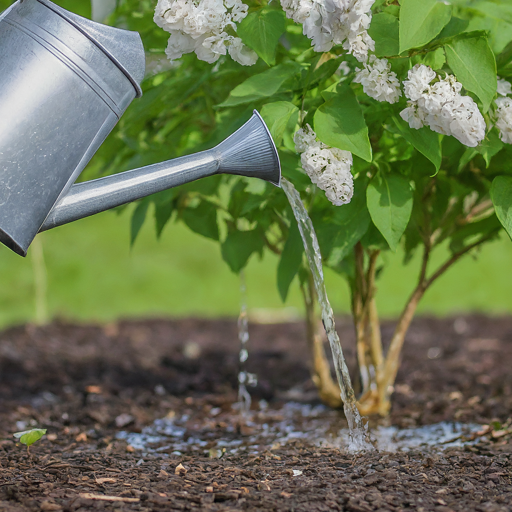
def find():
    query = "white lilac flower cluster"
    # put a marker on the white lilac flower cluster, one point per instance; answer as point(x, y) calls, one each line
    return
point(503, 111)
point(378, 81)
point(331, 22)
point(441, 106)
point(200, 26)
point(328, 168)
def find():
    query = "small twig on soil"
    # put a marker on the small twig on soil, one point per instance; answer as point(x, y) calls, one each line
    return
point(100, 497)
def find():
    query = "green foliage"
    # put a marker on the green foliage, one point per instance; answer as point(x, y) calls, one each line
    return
point(348, 226)
point(277, 116)
point(138, 218)
point(290, 261)
point(239, 246)
point(474, 65)
point(264, 85)
point(81, 7)
point(384, 30)
point(202, 219)
point(427, 142)
point(261, 31)
point(389, 200)
point(339, 122)
point(413, 188)
point(421, 21)
point(501, 194)
point(29, 437)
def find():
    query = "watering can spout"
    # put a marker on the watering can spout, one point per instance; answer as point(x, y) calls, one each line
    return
point(64, 83)
point(250, 152)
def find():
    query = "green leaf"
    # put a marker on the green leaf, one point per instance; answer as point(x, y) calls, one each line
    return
point(164, 206)
point(474, 65)
point(339, 122)
point(455, 27)
point(504, 61)
point(352, 221)
point(80, 7)
point(238, 247)
point(435, 60)
point(424, 140)
point(261, 31)
point(263, 85)
point(276, 116)
point(202, 219)
point(290, 261)
point(384, 31)
point(421, 21)
point(390, 200)
point(29, 437)
point(138, 218)
point(501, 195)
point(490, 146)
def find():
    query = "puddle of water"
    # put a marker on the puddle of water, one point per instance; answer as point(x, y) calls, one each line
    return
point(439, 435)
point(272, 428)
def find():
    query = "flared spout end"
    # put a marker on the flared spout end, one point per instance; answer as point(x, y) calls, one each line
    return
point(251, 152)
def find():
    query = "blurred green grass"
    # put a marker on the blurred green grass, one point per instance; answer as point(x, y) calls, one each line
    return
point(93, 275)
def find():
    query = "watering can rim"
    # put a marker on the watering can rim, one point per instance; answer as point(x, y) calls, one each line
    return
point(83, 25)
point(274, 148)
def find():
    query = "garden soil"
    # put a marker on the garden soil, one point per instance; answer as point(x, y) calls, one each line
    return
point(88, 383)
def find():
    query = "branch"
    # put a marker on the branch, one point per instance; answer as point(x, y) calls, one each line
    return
point(271, 246)
point(391, 363)
point(447, 264)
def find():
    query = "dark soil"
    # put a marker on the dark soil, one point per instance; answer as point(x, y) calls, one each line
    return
point(87, 383)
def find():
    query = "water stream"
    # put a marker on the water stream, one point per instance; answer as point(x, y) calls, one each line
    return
point(358, 432)
point(245, 378)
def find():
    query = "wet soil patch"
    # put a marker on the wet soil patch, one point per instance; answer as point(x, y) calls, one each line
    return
point(88, 383)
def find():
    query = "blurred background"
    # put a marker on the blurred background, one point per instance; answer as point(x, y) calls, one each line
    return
point(92, 274)
point(87, 271)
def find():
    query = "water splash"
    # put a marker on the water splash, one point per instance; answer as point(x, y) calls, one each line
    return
point(358, 430)
point(244, 377)
point(271, 428)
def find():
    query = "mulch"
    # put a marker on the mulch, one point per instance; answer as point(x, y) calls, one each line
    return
point(87, 383)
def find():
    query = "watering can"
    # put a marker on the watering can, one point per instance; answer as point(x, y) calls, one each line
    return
point(64, 83)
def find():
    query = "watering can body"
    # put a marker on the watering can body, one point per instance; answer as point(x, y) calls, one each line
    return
point(64, 83)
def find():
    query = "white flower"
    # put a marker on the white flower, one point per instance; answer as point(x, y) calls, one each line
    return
point(328, 168)
point(241, 53)
point(338, 184)
point(359, 45)
point(200, 26)
point(179, 44)
point(504, 87)
point(441, 107)
point(378, 81)
point(303, 138)
point(503, 119)
point(413, 115)
point(332, 22)
point(212, 48)
point(420, 77)
point(467, 124)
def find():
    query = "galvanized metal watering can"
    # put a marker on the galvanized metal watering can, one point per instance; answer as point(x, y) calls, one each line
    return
point(64, 83)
